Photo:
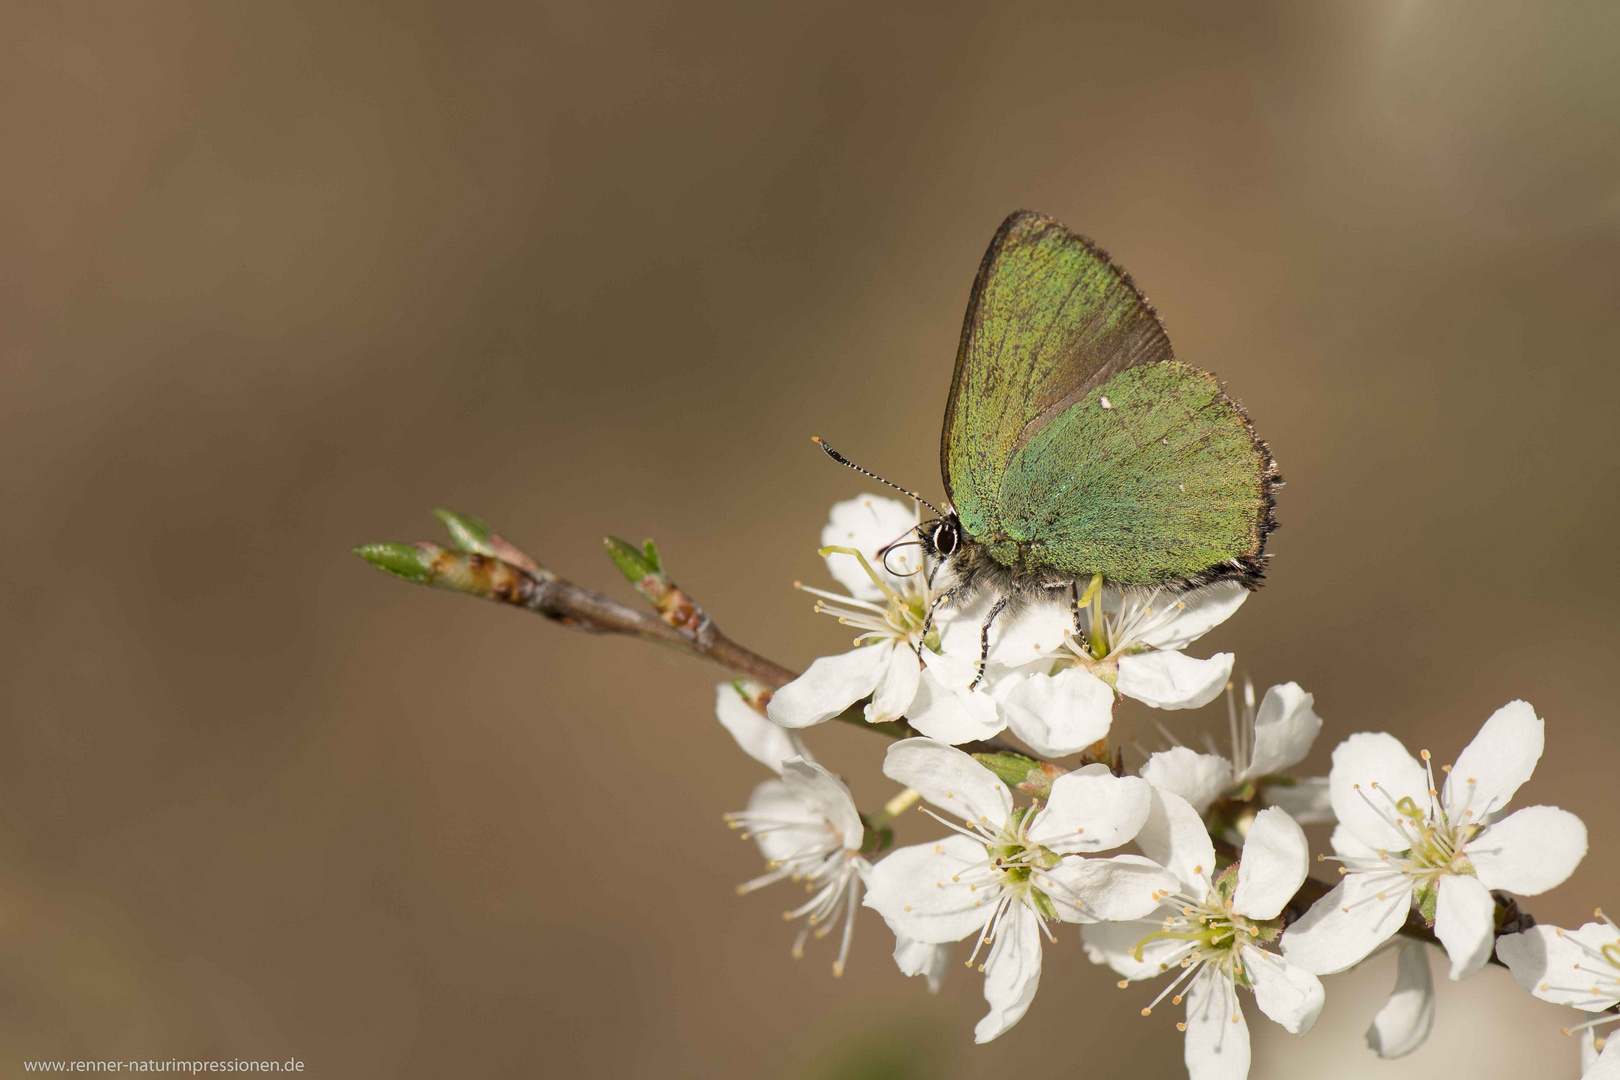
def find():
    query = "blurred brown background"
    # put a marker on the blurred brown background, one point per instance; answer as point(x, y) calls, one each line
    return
point(278, 278)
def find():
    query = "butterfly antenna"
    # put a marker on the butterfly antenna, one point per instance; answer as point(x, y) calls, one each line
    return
point(842, 460)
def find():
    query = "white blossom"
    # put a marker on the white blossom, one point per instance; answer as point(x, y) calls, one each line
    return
point(1211, 931)
point(765, 742)
point(1008, 872)
point(808, 829)
point(1124, 643)
point(1265, 743)
point(1403, 842)
point(1579, 968)
point(891, 663)
point(1406, 1019)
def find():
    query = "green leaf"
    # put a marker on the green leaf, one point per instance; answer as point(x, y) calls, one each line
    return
point(636, 564)
point(402, 560)
point(467, 533)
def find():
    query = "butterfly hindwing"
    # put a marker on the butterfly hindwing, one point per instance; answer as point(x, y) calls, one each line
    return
point(1167, 484)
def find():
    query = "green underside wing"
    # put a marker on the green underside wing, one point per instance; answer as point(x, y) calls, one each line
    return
point(1075, 443)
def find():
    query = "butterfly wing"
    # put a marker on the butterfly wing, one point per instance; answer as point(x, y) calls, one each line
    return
point(1075, 444)
point(1153, 478)
point(1050, 320)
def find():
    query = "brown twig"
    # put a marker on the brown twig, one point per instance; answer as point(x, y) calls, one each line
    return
point(483, 564)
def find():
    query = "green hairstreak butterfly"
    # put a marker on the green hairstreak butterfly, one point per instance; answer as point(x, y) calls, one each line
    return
point(1077, 449)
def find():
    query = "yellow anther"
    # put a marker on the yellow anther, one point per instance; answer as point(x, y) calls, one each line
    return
point(1123, 983)
point(1424, 754)
point(1147, 1012)
point(1181, 1025)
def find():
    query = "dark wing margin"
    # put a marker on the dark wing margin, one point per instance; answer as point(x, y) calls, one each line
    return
point(1050, 319)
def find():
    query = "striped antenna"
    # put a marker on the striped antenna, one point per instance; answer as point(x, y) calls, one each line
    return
point(842, 460)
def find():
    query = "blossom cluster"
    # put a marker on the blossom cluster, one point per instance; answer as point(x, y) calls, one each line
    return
point(1194, 871)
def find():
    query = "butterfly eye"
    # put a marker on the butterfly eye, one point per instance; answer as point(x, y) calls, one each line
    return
point(945, 538)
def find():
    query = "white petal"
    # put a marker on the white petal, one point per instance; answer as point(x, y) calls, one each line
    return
point(945, 709)
point(896, 686)
point(1284, 729)
point(1491, 768)
point(1361, 913)
point(913, 891)
point(1204, 611)
point(1059, 714)
point(1369, 758)
point(1558, 965)
point(1346, 843)
point(1092, 810)
point(1012, 973)
point(1607, 1065)
point(1217, 1045)
point(1275, 860)
point(1307, 801)
point(765, 742)
point(1114, 944)
point(1529, 851)
point(821, 789)
point(1174, 836)
point(1096, 890)
point(1465, 923)
point(1286, 992)
point(799, 827)
point(1198, 778)
point(921, 958)
point(866, 524)
point(1172, 680)
point(828, 687)
point(1404, 1022)
point(1035, 632)
point(949, 779)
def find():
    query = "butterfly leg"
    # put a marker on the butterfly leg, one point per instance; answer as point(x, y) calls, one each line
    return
point(984, 639)
point(946, 597)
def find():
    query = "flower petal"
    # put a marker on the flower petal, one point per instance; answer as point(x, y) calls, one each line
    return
point(1529, 851)
point(949, 779)
point(821, 789)
point(1307, 801)
point(1286, 992)
point(829, 686)
point(1275, 860)
point(1557, 965)
point(1404, 1022)
point(1201, 612)
point(1607, 1065)
point(1174, 837)
point(1114, 944)
point(1284, 729)
point(1059, 714)
point(1034, 632)
point(1012, 973)
point(797, 825)
point(921, 958)
point(1361, 761)
point(945, 708)
point(913, 891)
point(1196, 777)
point(1465, 923)
point(1491, 768)
point(1217, 1046)
point(1172, 680)
point(767, 743)
point(1091, 809)
point(1105, 890)
point(1361, 913)
point(866, 524)
point(896, 686)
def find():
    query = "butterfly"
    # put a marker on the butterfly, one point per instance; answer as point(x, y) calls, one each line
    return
point(1077, 450)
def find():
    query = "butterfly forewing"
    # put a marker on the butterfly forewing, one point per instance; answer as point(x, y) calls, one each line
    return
point(1049, 320)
